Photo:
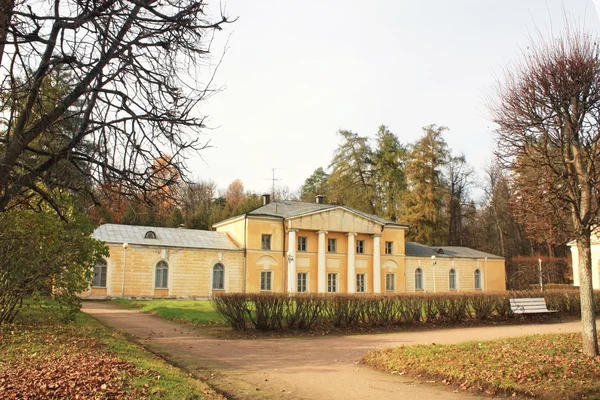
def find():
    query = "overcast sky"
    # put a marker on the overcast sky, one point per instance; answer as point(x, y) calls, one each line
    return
point(297, 72)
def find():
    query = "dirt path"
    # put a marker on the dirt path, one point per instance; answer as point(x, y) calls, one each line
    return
point(299, 368)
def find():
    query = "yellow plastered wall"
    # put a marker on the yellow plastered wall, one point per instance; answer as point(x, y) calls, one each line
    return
point(236, 229)
point(265, 226)
point(189, 273)
point(396, 236)
point(393, 265)
point(493, 273)
point(257, 261)
point(307, 261)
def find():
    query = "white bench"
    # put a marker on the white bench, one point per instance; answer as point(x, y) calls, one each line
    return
point(531, 305)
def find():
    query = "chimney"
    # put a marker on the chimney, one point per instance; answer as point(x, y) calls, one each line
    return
point(266, 198)
point(320, 199)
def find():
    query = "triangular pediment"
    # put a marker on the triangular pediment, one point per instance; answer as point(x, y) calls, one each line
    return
point(337, 219)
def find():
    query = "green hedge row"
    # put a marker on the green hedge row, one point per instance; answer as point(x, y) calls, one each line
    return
point(270, 311)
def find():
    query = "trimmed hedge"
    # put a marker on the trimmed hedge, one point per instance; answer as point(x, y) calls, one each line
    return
point(276, 311)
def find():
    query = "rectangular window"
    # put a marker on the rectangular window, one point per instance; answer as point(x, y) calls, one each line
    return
point(332, 245)
point(302, 282)
point(265, 242)
point(389, 247)
point(265, 280)
point(360, 246)
point(332, 283)
point(301, 243)
point(390, 282)
point(360, 283)
point(99, 279)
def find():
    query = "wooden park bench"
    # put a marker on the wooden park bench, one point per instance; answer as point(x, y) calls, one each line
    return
point(529, 305)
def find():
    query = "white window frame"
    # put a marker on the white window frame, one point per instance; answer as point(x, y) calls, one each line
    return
point(451, 273)
point(393, 282)
point(302, 285)
point(266, 281)
point(103, 265)
point(332, 277)
point(477, 283)
point(360, 246)
point(361, 288)
point(330, 242)
point(302, 243)
point(420, 287)
point(222, 276)
point(265, 241)
point(389, 248)
point(164, 282)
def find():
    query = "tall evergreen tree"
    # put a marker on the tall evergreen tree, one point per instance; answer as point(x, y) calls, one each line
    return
point(389, 161)
point(315, 185)
point(351, 181)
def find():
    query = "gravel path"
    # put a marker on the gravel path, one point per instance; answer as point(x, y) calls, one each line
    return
point(299, 368)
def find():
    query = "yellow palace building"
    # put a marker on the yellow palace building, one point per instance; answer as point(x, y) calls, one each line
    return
point(285, 247)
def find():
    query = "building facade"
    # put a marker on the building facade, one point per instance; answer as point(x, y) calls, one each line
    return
point(286, 247)
point(595, 250)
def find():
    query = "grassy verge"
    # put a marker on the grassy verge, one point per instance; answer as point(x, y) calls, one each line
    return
point(544, 366)
point(41, 357)
point(199, 312)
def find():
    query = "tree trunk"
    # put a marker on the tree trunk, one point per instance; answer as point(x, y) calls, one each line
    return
point(588, 317)
point(6, 7)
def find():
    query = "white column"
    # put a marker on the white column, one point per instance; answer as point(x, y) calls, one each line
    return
point(351, 263)
point(321, 264)
point(292, 260)
point(376, 264)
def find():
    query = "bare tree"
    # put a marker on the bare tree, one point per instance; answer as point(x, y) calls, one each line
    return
point(128, 93)
point(459, 177)
point(548, 113)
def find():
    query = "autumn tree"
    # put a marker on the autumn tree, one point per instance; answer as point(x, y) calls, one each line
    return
point(196, 201)
point(548, 111)
point(130, 92)
point(427, 189)
point(389, 175)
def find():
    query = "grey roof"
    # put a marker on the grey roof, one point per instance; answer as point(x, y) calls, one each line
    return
point(289, 209)
point(413, 249)
point(166, 237)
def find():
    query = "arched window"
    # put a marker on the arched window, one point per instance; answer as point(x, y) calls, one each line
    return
point(452, 279)
point(418, 279)
point(99, 279)
point(218, 277)
point(477, 277)
point(150, 235)
point(162, 275)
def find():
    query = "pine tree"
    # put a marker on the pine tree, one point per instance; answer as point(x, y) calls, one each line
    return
point(389, 174)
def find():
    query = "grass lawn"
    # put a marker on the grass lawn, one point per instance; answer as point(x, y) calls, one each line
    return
point(545, 366)
point(189, 311)
point(40, 357)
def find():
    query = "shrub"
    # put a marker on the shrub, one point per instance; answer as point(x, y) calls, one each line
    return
point(305, 311)
point(481, 305)
point(269, 310)
point(233, 308)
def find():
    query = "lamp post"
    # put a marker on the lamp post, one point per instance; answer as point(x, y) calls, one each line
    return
point(540, 272)
point(125, 246)
point(433, 262)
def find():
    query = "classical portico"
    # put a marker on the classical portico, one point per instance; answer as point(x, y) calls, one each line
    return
point(340, 263)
